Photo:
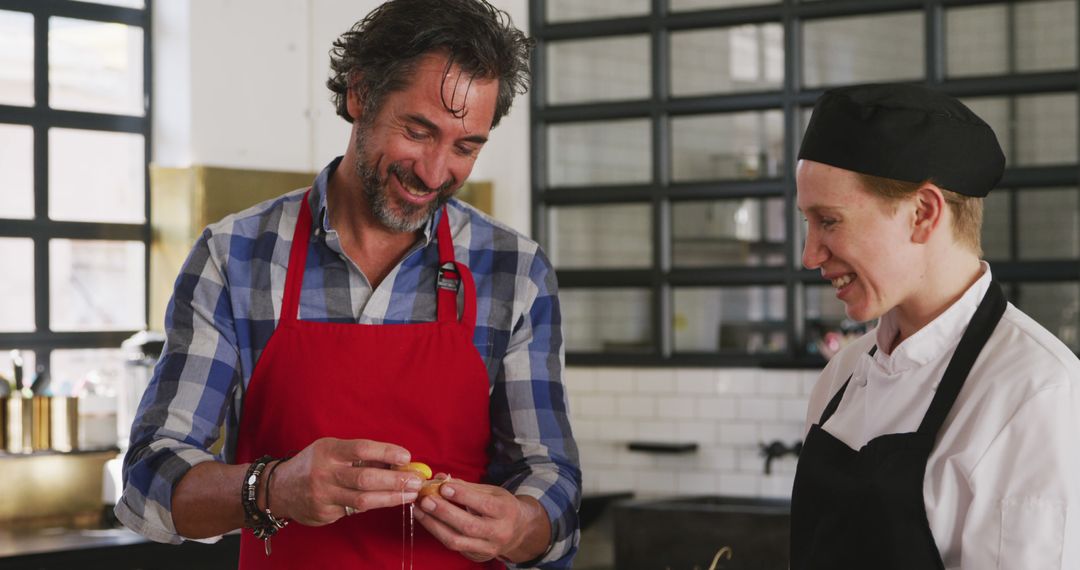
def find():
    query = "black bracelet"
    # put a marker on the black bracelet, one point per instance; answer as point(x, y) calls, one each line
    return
point(253, 518)
point(276, 522)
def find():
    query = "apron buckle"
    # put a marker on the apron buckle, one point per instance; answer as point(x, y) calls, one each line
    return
point(449, 277)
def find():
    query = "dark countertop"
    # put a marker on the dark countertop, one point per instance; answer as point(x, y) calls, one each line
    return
point(112, 549)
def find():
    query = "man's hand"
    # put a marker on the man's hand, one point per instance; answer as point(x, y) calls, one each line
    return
point(484, 521)
point(314, 487)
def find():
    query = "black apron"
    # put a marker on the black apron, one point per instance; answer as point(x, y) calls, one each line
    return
point(864, 509)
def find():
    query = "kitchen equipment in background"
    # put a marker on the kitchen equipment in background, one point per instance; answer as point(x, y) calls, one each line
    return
point(141, 353)
point(691, 532)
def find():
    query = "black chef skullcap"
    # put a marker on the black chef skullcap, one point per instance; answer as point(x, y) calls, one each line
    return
point(904, 132)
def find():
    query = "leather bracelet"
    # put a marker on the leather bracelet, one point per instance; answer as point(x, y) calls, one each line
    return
point(276, 522)
point(253, 518)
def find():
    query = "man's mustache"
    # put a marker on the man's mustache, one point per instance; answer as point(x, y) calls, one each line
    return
point(409, 178)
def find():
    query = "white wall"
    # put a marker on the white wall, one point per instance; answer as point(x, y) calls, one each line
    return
point(241, 84)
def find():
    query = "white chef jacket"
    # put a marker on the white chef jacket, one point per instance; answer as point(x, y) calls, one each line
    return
point(1002, 485)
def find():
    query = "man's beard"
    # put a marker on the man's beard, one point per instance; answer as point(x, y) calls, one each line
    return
point(406, 217)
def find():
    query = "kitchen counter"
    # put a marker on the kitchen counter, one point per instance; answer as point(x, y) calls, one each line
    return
point(111, 549)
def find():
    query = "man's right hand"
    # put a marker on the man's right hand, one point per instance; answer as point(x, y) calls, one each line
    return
point(314, 487)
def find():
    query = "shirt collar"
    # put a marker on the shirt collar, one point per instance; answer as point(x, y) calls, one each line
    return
point(936, 338)
point(320, 209)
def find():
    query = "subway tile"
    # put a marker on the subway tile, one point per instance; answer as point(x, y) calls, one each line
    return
point(678, 462)
point(654, 430)
point(615, 480)
point(756, 408)
point(718, 458)
point(596, 406)
point(634, 459)
point(793, 409)
point(675, 408)
point(654, 381)
point(715, 408)
point(596, 452)
point(737, 381)
point(580, 379)
point(616, 430)
point(737, 434)
point(702, 433)
point(809, 380)
point(780, 383)
point(785, 431)
point(696, 381)
point(614, 380)
point(636, 407)
point(777, 486)
point(750, 461)
point(585, 429)
point(656, 481)
point(697, 483)
point(739, 485)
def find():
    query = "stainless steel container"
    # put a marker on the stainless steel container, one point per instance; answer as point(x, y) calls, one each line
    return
point(17, 425)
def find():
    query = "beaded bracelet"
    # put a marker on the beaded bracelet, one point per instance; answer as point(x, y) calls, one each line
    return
point(252, 516)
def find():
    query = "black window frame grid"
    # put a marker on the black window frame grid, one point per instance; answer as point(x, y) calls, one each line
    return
point(40, 229)
point(791, 99)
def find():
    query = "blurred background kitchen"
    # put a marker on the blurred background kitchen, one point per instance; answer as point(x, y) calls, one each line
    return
point(652, 160)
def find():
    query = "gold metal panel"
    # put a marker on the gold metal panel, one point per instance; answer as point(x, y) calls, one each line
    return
point(50, 486)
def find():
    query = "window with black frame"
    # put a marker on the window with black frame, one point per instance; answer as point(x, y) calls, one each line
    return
point(74, 214)
point(664, 136)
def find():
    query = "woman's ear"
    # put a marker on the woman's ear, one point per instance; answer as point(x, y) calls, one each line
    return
point(929, 212)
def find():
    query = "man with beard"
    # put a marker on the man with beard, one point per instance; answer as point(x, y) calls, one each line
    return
point(344, 330)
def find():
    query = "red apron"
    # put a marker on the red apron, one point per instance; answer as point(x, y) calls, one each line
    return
point(421, 386)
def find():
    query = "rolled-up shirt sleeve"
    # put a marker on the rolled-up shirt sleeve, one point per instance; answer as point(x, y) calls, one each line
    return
point(182, 409)
point(535, 453)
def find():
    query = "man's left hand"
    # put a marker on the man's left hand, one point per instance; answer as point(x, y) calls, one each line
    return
point(485, 521)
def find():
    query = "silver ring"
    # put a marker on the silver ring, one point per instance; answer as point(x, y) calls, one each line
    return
point(349, 511)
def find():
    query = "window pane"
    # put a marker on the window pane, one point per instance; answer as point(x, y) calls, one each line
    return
point(863, 49)
point(729, 146)
point(16, 171)
point(96, 285)
point(599, 70)
point(607, 320)
point(682, 5)
point(996, 226)
point(95, 66)
point(726, 60)
point(595, 237)
point(1049, 221)
point(17, 286)
point(96, 176)
point(828, 328)
point(1055, 306)
point(7, 365)
point(603, 152)
point(728, 232)
point(566, 10)
point(16, 58)
point(97, 371)
point(729, 319)
point(1032, 129)
point(977, 38)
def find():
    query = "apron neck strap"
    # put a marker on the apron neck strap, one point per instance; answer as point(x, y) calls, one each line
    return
point(294, 275)
point(978, 331)
point(452, 275)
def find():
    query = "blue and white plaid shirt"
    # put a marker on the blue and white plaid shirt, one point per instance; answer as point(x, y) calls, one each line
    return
point(226, 305)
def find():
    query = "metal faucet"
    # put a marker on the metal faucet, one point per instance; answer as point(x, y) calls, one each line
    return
point(777, 448)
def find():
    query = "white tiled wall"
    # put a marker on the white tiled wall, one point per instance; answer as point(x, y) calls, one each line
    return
point(727, 412)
